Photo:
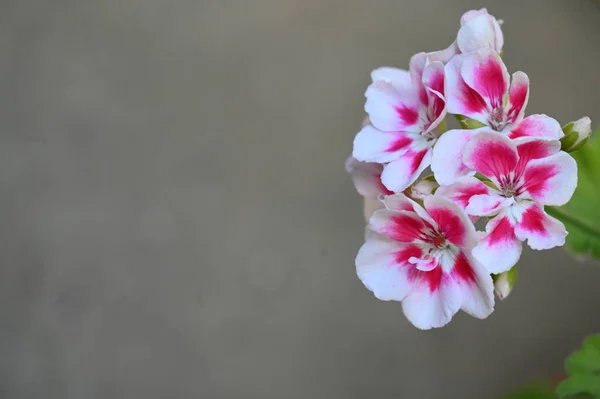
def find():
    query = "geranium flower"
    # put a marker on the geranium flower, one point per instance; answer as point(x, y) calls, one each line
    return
point(404, 108)
point(477, 85)
point(527, 173)
point(478, 29)
point(422, 257)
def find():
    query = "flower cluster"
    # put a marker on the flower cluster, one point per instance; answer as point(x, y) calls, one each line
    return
point(499, 170)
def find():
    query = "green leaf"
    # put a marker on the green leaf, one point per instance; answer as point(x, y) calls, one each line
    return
point(581, 215)
point(578, 385)
point(583, 366)
point(587, 359)
point(533, 391)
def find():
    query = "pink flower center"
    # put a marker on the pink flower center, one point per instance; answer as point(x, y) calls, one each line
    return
point(438, 240)
point(510, 187)
point(497, 119)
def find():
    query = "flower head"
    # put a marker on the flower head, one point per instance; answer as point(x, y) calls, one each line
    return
point(502, 169)
point(525, 175)
point(422, 257)
point(404, 109)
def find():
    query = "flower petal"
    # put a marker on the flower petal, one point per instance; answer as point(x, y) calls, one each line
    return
point(446, 161)
point(539, 229)
point(518, 97)
point(400, 174)
point(530, 148)
point(433, 77)
point(452, 221)
point(472, 14)
point(398, 202)
point(551, 180)
point(499, 250)
point(428, 220)
point(382, 266)
point(481, 31)
point(373, 145)
point(400, 226)
point(433, 81)
point(487, 204)
point(416, 66)
point(397, 77)
point(462, 191)
point(538, 125)
point(475, 284)
point(392, 108)
point(366, 177)
point(431, 308)
point(491, 154)
point(425, 264)
point(444, 55)
point(484, 72)
point(460, 98)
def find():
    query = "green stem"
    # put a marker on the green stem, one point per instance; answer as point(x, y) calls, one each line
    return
point(568, 218)
point(467, 123)
point(443, 127)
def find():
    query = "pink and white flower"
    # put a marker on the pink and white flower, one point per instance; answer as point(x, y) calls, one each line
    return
point(404, 108)
point(477, 85)
point(478, 29)
point(527, 173)
point(422, 257)
point(421, 246)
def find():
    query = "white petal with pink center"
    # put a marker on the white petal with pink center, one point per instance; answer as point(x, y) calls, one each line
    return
point(541, 230)
point(401, 173)
point(463, 190)
point(528, 173)
point(499, 250)
point(374, 145)
point(392, 108)
point(397, 77)
point(538, 125)
point(488, 204)
point(446, 161)
point(422, 258)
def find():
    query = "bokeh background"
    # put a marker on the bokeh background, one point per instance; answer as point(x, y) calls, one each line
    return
point(176, 221)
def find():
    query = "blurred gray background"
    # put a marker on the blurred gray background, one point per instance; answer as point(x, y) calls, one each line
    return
point(176, 219)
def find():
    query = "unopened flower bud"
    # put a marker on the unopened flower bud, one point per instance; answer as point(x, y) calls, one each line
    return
point(423, 188)
point(504, 282)
point(576, 134)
